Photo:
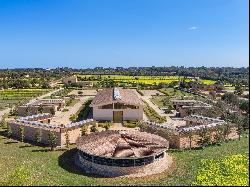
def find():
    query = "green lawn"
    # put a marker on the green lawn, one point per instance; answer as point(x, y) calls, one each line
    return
point(32, 165)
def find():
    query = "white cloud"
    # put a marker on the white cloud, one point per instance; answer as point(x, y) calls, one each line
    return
point(193, 28)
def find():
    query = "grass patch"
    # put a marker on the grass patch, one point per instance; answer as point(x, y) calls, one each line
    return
point(131, 124)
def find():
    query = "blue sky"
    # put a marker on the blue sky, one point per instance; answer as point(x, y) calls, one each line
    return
point(111, 33)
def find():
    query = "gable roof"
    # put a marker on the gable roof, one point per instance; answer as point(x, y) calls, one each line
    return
point(109, 95)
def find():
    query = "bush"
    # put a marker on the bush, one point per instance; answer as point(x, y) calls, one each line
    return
point(131, 124)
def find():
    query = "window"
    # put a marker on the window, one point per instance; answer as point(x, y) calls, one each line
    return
point(119, 106)
point(132, 106)
point(109, 106)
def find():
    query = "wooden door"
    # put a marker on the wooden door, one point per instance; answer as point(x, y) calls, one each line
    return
point(117, 116)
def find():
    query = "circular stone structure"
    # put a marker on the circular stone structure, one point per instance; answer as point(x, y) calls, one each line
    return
point(122, 153)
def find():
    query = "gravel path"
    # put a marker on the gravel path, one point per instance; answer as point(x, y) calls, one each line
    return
point(63, 117)
point(155, 107)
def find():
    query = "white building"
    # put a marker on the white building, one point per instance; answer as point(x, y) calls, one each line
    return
point(115, 104)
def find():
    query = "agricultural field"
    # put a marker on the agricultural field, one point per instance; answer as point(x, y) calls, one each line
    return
point(25, 164)
point(150, 80)
point(18, 96)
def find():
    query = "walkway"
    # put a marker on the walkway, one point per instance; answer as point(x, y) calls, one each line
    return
point(63, 117)
point(156, 108)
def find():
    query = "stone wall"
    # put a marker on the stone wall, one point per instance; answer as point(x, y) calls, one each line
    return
point(171, 136)
point(114, 171)
point(30, 131)
point(181, 141)
point(33, 110)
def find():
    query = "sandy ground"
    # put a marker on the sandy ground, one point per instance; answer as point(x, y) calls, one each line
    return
point(118, 126)
point(85, 92)
point(151, 92)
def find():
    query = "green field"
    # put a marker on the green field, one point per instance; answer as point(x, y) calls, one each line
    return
point(150, 80)
point(16, 96)
point(24, 164)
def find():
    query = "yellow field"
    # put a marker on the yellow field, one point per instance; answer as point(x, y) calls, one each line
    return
point(151, 80)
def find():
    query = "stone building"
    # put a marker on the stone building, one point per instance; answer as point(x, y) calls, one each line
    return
point(183, 106)
point(41, 106)
point(70, 80)
point(121, 153)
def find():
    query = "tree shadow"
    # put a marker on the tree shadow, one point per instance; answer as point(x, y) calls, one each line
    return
point(67, 162)
point(41, 150)
point(24, 146)
point(10, 142)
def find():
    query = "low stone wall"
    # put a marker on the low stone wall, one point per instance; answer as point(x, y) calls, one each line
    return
point(30, 133)
point(171, 136)
point(157, 166)
point(181, 141)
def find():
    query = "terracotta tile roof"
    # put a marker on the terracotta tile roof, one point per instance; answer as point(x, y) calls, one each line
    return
point(106, 96)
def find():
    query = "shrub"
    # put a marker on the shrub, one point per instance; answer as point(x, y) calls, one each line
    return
point(94, 128)
point(84, 129)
